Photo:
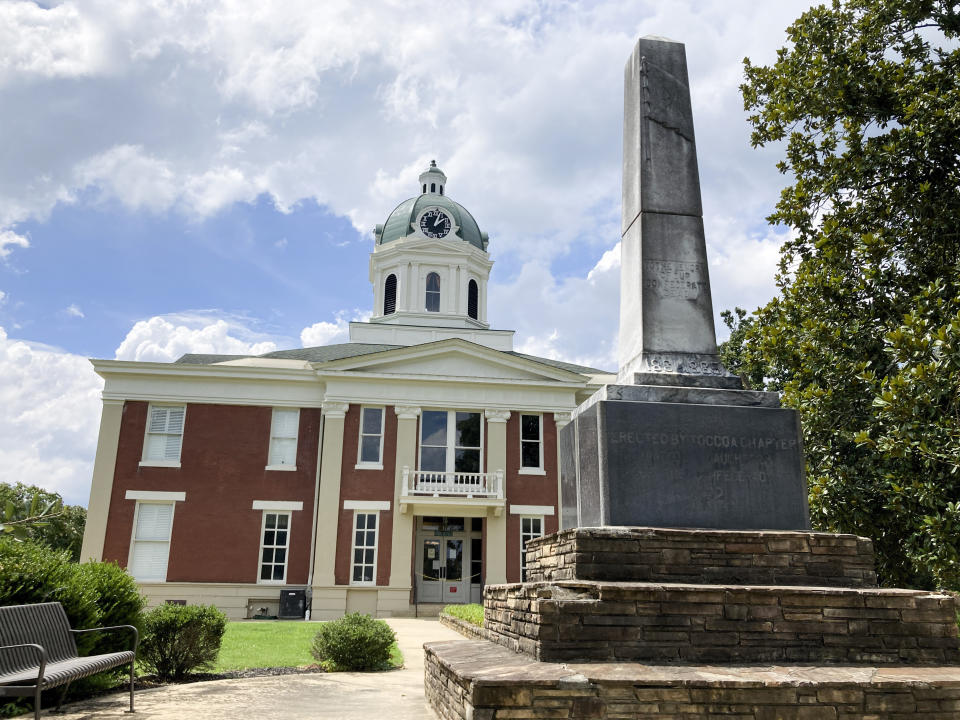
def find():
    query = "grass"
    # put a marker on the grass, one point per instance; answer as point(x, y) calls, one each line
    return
point(472, 613)
point(273, 643)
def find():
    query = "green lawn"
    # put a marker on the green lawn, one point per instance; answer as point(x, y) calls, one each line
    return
point(472, 613)
point(272, 643)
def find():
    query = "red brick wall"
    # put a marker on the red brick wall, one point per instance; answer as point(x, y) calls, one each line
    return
point(529, 489)
point(356, 484)
point(216, 533)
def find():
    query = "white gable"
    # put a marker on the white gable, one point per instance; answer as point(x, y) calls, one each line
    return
point(454, 364)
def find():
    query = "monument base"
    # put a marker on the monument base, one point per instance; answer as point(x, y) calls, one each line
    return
point(683, 458)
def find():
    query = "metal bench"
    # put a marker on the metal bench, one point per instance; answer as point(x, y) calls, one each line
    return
point(38, 652)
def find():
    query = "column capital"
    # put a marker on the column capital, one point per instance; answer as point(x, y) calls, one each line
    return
point(407, 412)
point(335, 410)
point(496, 416)
point(562, 419)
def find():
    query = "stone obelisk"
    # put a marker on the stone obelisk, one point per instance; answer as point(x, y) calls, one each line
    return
point(678, 442)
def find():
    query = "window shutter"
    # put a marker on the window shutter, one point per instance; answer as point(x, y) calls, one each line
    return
point(283, 437)
point(390, 295)
point(151, 547)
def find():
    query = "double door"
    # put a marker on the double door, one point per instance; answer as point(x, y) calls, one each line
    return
point(442, 570)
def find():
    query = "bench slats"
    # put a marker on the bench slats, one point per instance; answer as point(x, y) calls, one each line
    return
point(64, 671)
point(44, 624)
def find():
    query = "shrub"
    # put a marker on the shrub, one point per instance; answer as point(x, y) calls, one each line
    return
point(118, 599)
point(472, 613)
point(354, 642)
point(181, 639)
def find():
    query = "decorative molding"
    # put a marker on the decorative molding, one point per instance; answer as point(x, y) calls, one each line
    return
point(160, 463)
point(366, 504)
point(407, 412)
point(532, 510)
point(497, 416)
point(562, 419)
point(156, 495)
point(283, 468)
point(335, 410)
point(112, 400)
point(277, 505)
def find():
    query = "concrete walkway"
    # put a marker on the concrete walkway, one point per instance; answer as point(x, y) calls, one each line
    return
point(397, 695)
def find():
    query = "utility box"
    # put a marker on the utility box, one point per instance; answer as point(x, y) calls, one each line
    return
point(293, 604)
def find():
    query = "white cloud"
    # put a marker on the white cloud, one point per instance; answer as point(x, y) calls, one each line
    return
point(3, 297)
point(331, 333)
point(74, 311)
point(166, 338)
point(8, 240)
point(50, 418)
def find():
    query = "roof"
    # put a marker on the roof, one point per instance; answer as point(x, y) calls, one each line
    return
point(328, 353)
point(398, 224)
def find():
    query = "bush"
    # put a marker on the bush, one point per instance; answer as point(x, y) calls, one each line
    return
point(119, 602)
point(472, 613)
point(180, 639)
point(354, 642)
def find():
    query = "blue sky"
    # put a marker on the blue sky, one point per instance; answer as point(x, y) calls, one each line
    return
point(205, 176)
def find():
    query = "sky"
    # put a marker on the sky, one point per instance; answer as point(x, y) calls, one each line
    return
point(205, 175)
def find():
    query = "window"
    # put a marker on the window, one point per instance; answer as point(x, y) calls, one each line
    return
point(531, 443)
point(451, 441)
point(441, 189)
point(364, 569)
point(472, 299)
point(433, 292)
point(424, 187)
point(151, 541)
point(390, 295)
point(370, 452)
point(164, 434)
point(530, 528)
point(275, 541)
point(433, 187)
point(283, 439)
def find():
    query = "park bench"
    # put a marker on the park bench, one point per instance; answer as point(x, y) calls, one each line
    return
point(38, 651)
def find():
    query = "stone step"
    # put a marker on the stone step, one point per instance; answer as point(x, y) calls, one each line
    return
point(479, 680)
point(722, 557)
point(597, 621)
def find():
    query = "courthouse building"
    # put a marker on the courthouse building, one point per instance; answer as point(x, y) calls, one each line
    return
point(404, 468)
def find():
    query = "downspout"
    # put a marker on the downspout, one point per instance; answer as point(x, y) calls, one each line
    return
point(316, 512)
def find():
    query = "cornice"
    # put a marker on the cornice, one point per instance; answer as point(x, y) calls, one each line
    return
point(407, 412)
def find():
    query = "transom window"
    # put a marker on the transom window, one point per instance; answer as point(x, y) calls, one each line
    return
point(451, 441)
point(530, 527)
point(371, 436)
point(284, 429)
point(164, 433)
point(364, 566)
point(531, 442)
point(151, 541)
point(273, 547)
point(433, 292)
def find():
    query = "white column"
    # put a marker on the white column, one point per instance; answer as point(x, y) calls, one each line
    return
point(101, 485)
point(328, 498)
point(497, 524)
point(402, 549)
point(561, 420)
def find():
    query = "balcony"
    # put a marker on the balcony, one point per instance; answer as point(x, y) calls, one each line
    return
point(429, 487)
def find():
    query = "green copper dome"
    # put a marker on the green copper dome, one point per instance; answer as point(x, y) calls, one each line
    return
point(400, 222)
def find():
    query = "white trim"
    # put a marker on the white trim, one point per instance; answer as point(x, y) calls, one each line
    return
point(539, 469)
point(274, 435)
point(532, 510)
point(144, 461)
point(155, 495)
point(531, 471)
point(366, 505)
point(378, 464)
point(284, 468)
point(279, 505)
point(451, 439)
point(136, 519)
point(160, 463)
point(274, 510)
point(353, 545)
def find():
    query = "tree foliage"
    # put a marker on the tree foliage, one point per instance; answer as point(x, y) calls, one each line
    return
point(30, 512)
point(863, 336)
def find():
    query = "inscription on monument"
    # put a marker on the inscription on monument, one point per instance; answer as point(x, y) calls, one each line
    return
point(688, 364)
point(674, 278)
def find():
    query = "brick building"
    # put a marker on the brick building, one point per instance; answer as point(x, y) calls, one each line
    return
point(405, 467)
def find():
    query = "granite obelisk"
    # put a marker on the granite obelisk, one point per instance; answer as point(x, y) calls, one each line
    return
point(679, 442)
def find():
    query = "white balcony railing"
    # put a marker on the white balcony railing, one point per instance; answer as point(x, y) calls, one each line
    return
point(457, 484)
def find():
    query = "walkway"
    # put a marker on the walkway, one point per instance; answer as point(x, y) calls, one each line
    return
point(397, 695)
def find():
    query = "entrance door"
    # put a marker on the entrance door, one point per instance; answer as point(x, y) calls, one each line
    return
point(454, 588)
point(441, 578)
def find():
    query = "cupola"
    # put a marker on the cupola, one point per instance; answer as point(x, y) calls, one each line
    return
point(432, 180)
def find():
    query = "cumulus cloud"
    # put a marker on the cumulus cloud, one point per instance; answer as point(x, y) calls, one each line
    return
point(166, 338)
point(9, 240)
point(331, 333)
point(50, 418)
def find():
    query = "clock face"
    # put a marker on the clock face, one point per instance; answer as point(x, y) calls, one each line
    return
point(435, 223)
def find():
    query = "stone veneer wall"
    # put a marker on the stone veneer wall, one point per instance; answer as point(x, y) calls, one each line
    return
point(468, 680)
point(597, 621)
point(728, 557)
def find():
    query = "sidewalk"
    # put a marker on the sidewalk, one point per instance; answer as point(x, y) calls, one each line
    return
point(397, 694)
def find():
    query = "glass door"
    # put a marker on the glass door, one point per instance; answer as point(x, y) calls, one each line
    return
point(454, 589)
point(430, 572)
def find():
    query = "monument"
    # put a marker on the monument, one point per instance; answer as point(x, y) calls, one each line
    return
point(684, 581)
point(679, 442)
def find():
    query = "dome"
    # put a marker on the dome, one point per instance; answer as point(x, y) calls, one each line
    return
point(399, 223)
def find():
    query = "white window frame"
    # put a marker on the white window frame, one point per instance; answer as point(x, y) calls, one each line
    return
point(289, 467)
point(524, 538)
point(361, 465)
point(144, 461)
point(357, 512)
point(275, 510)
point(540, 469)
point(451, 447)
point(142, 499)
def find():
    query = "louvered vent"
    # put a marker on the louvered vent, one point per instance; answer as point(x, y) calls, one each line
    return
point(472, 300)
point(390, 295)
